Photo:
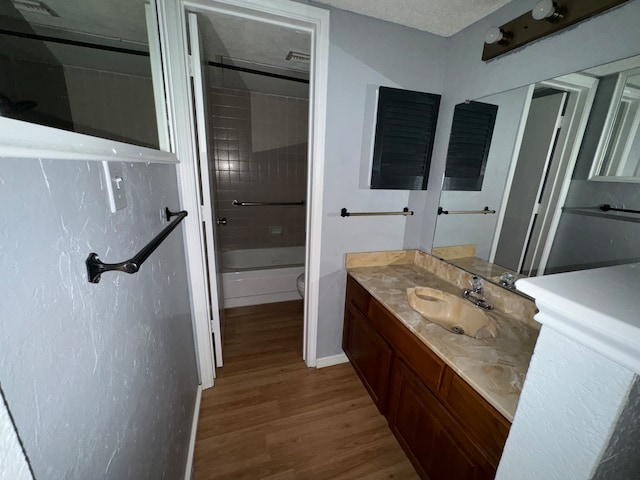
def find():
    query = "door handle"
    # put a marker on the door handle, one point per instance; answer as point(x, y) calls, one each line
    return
point(221, 221)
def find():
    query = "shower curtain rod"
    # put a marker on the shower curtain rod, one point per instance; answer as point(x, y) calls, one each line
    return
point(141, 53)
point(75, 43)
point(257, 72)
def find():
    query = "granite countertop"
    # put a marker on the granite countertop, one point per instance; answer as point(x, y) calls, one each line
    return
point(494, 367)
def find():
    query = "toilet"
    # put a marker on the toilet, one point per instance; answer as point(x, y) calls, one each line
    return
point(300, 284)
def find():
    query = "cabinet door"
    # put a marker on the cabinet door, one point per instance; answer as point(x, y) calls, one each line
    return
point(431, 437)
point(370, 355)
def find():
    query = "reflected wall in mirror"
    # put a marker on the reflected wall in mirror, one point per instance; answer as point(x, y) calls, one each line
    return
point(537, 179)
point(79, 65)
point(617, 156)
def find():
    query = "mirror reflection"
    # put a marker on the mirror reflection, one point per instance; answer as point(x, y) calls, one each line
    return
point(618, 153)
point(79, 65)
point(535, 207)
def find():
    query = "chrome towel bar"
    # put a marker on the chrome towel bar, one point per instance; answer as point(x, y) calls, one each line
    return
point(236, 203)
point(95, 267)
point(484, 211)
point(344, 213)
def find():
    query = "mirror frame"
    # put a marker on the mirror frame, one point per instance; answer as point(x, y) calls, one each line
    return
point(607, 131)
point(20, 139)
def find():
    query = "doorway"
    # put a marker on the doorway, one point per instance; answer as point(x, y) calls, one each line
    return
point(250, 90)
point(310, 21)
point(554, 125)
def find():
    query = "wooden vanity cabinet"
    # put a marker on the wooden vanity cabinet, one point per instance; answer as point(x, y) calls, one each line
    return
point(368, 352)
point(446, 428)
point(434, 441)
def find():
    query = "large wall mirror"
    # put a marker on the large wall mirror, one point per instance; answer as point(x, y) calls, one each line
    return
point(83, 66)
point(556, 190)
point(617, 157)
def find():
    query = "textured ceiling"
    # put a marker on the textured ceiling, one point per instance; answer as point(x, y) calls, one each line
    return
point(237, 38)
point(442, 17)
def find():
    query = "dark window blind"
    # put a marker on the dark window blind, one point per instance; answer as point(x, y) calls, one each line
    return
point(405, 129)
point(469, 145)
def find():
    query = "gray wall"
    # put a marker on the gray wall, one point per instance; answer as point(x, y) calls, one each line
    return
point(620, 459)
point(588, 242)
point(364, 54)
point(100, 379)
point(467, 76)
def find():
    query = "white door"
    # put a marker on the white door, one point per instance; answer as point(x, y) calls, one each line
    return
point(536, 151)
point(199, 108)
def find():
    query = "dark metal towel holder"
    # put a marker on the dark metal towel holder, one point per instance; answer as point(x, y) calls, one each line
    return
point(95, 267)
point(344, 213)
point(606, 208)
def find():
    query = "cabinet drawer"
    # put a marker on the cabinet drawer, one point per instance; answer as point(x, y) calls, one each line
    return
point(426, 364)
point(482, 421)
point(357, 295)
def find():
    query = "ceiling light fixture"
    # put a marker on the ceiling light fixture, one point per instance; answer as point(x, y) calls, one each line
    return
point(546, 18)
point(546, 10)
point(496, 35)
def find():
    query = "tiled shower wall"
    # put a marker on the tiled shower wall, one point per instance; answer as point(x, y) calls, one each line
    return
point(259, 152)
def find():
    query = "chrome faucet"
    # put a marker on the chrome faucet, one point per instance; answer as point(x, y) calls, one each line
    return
point(476, 293)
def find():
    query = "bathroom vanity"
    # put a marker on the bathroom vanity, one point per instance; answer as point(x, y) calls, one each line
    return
point(449, 399)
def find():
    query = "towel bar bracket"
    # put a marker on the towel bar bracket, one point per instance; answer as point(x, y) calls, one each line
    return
point(96, 267)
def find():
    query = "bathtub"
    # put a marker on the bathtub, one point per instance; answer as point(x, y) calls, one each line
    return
point(261, 275)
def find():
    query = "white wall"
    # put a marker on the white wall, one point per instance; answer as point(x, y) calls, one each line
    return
point(13, 464)
point(100, 378)
point(570, 400)
point(467, 76)
point(480, 229)
point(364, 53)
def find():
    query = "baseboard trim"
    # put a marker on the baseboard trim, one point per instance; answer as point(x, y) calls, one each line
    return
point(332, 360)
point(192, 441)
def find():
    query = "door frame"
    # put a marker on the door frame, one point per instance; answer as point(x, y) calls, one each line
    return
point(200, 113)
point(172, 23)
point(583, 87)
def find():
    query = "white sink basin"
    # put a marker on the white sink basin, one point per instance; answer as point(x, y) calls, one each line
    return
point(451, 312)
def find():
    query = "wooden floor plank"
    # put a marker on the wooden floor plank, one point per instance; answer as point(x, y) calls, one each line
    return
point(269, 417)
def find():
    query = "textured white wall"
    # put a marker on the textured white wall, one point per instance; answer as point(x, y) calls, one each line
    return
point(100, 379)
point(620, 459)
point(13, 464)
point(569, 405)
point(364, 53)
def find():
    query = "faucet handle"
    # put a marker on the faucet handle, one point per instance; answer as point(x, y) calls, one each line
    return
point(476, 284)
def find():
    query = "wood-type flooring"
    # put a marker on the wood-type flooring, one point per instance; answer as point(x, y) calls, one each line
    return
point(269, 417)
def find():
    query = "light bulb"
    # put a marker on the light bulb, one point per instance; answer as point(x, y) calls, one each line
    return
point(545, 9)
point(493, 35)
